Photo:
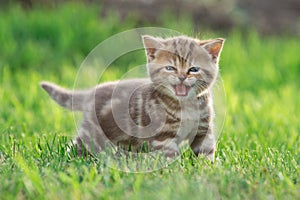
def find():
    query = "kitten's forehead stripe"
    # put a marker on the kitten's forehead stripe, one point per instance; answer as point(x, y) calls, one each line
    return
point(182, 49)
point(188, 55)
point(191, 46)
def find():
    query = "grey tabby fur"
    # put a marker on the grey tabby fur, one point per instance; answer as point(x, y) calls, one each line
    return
point(172, 106)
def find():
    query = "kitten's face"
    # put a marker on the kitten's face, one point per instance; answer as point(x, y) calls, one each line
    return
point(182, 67)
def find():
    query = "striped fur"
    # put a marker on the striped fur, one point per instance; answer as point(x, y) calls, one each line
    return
point(173, 106)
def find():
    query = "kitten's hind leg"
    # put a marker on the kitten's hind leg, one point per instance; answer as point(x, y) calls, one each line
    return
point(75, 148)
point(91, 135)
point(81, 150)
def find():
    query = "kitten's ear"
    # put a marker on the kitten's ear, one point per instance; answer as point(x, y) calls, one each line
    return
point(151, 45)
point(214, 47)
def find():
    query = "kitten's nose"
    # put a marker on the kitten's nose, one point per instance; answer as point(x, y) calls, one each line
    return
point(182, 78)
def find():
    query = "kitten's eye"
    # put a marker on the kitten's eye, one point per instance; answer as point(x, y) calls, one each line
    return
point(194, 69)
point(170, 68)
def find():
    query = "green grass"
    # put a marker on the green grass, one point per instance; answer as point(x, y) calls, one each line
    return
point(258, 154)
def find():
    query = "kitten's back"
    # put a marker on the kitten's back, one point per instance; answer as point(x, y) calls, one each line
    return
point(77, 100)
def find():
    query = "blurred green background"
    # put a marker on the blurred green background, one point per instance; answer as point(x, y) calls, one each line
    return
point(258, 152)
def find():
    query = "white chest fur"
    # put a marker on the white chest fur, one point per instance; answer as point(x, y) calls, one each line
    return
point(190, 116)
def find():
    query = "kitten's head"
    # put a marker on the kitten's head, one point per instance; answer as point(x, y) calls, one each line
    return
point(182, 67)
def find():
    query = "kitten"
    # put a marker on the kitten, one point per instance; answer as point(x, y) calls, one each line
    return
point(172, 106)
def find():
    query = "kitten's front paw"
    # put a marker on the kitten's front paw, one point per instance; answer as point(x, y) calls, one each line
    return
point(80, 148)
point(211, 157)
point(170, 153)
point(170, 156)
point(209, 154)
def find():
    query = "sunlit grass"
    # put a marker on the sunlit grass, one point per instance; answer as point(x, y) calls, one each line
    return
point(258, 152)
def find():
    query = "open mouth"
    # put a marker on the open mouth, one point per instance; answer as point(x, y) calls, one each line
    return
point(181, 89)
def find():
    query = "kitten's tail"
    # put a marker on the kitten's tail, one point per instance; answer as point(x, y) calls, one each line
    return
point(73, 100)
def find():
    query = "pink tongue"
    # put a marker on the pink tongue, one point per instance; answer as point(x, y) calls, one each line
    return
point(181, 90)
